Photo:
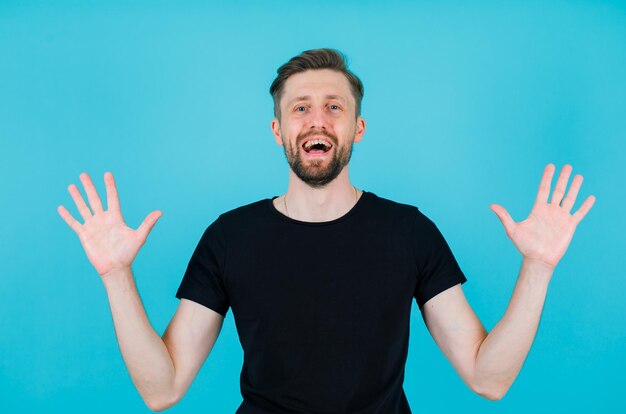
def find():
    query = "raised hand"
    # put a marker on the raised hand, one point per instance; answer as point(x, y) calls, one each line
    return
point(109, 243)
point(546, 233)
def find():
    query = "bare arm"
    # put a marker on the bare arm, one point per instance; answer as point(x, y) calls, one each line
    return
point(162, 369)
point(503, 352)
point(489, 363)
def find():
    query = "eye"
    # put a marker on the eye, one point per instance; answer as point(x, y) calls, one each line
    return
point(333, 106)
point(299, 107)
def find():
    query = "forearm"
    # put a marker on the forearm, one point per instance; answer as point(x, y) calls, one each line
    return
point(502, 353)
point(145, 354)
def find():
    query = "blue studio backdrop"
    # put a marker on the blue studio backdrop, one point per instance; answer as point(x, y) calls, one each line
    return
point(465, 103)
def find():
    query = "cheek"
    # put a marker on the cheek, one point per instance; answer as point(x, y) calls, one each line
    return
point(347, 131)
point(294, 131)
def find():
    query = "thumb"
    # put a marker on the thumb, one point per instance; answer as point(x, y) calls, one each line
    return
point(504, 217)
point(148, 223)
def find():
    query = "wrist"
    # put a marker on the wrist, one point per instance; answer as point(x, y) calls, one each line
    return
point(538, 264)
point(117, 276)
point(537, 270)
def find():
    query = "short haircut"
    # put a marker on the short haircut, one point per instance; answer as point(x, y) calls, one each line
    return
point(311, 60)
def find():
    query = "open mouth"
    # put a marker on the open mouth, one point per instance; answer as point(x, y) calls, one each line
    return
point(317, 146)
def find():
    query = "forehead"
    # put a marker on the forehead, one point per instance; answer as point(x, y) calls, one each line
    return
point(317, 83)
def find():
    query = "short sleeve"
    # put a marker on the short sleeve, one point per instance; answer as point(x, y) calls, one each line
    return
point(438, 270)
point(203, 281)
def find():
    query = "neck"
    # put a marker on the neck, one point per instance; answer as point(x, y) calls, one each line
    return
point(328, 203)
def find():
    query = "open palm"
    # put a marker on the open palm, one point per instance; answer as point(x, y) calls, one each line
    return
point(547, 232)
point(108, 242)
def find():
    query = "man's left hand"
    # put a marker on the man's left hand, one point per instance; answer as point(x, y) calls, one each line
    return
point(545, 235)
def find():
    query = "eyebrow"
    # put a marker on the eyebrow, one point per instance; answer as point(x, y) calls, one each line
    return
point(308, 98)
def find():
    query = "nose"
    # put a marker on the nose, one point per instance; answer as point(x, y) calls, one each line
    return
point(317, 118)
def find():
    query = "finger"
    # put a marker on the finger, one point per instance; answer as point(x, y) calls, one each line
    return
point(69, 219)
point(80, 203)
point(570, 199)
point(544, 186)
point(148, 223)
point(584, 209)
point(92, 194)
point(505, 218)
point(559, 189)
point(113, 201)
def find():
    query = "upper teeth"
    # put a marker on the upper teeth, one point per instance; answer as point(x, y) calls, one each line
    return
point(312, 142)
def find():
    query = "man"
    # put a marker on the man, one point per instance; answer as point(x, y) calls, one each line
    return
point(321, 279)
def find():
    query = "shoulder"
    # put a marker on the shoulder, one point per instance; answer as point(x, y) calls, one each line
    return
point(385, 204)
point(246, 211)
point(246, 218)
point(396, 209)
point(221, 230)
point(407, 213)
point(398, 217)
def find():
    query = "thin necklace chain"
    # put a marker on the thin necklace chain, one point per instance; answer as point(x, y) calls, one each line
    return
point(356, 197)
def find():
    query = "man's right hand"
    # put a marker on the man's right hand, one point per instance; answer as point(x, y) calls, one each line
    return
point(109, 243)
point(162, 369)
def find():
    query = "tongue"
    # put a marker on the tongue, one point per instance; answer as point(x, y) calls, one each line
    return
point(316, 151)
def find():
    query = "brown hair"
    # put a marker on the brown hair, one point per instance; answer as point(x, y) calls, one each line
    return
point(315, 59)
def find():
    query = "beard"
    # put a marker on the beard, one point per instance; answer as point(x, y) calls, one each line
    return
point(317, 173)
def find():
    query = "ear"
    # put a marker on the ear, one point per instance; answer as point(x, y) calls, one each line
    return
point(360, 129)
point(275, 125)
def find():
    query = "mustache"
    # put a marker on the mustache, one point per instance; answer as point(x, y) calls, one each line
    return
point(308, 134)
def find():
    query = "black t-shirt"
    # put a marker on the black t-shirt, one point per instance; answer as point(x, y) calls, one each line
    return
point(322, 309)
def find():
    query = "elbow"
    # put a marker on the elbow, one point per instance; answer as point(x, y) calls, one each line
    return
point(160, 403)
point(492, 393)
point(492, 396)
point(155, 407)
point(158, 406)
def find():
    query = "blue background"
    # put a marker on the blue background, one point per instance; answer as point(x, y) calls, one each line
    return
point(465, 105)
